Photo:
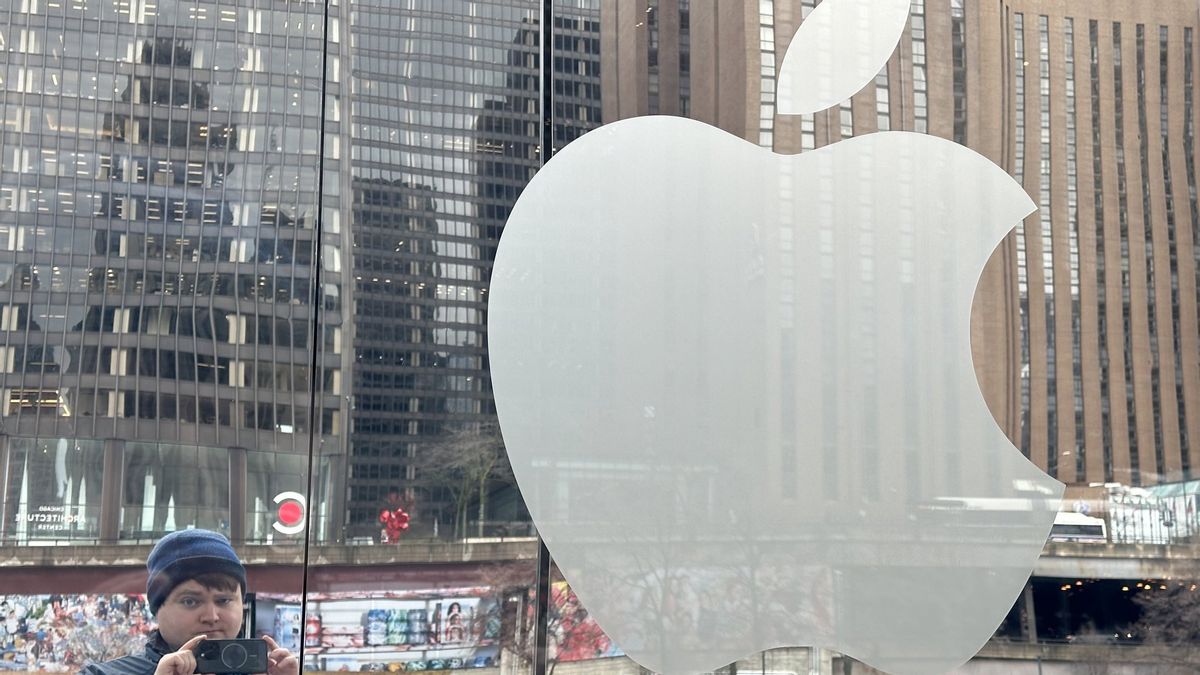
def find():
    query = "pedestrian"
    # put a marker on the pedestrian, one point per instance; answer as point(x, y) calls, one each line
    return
point(195, 588)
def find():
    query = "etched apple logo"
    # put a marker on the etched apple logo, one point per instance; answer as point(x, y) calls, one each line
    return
point(737, 391)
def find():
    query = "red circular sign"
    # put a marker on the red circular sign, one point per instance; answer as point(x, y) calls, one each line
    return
point(290, 513)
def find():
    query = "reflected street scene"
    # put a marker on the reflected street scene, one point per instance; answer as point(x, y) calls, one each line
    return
point(577, 337)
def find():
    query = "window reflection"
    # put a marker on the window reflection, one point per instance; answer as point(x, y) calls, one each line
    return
point(173, 487)
point(159, 227)
point(53, 489)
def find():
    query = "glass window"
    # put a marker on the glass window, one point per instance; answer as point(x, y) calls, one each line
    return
point(272, 481)
point(172, 487)
point(53, 490)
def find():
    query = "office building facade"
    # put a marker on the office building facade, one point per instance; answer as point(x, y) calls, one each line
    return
point(1084, 323)
point(162, 190)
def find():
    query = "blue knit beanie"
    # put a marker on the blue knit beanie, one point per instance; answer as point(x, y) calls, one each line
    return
point(187, 554)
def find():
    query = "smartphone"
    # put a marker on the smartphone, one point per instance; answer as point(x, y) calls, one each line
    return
point(231, 656)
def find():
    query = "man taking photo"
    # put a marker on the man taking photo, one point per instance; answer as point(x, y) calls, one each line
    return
point(195, 589)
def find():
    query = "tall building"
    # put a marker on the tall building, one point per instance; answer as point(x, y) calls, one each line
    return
point(444, 135)
point(161, 188)
point(241, 235)
point(1097, 123)
point(1085, 322)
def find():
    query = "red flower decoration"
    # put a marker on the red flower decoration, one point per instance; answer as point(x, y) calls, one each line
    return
point(395, 522)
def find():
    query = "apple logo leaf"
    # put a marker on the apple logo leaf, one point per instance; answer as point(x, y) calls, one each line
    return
point(838, 49)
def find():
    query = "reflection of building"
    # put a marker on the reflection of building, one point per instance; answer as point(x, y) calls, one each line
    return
point(159, 248)
point(422, 249)
point(1085, 324)
point(158, 222)
point(442, 150)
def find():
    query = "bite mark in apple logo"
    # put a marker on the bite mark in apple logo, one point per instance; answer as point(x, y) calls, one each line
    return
point(737, 389)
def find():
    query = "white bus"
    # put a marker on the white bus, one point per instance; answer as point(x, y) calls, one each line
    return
point(1070, 526)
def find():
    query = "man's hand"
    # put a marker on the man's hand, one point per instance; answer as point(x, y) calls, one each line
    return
point(280, 660)
point(182, 662)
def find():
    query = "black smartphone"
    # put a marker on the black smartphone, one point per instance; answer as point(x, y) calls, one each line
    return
point(231, 656)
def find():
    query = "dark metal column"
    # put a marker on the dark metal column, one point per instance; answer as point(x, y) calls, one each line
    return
point(111, 483)
point(237, 495)
point(541, 613)
point(5, 473)
point(1029, 624)
point(546, 76)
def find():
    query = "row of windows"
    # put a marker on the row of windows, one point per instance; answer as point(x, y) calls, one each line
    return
point(296, 20)
point(400, 426)
point(233, 63)
point(1049, 272)
point(1190, 169)
point(1101, 270)
point(191, 248)
point(420, 334)
point(376, 98)
point(368, 403)
point(421, 285)
point(201, 322)
point(1022, 269)
point(463, 146)
point(919, 82)
point(177, 91)
point(169, 210)
point(1148, 243)
point(79, 125)
point(958, 47)
point(65, 204)
point(491, 21)
point(403, 383)
point(412, 358)
point(1123, 224)
point(85, 166)
point(477, 49)
point(180, 366)
point(1080, 448)
point(440, 312)
point(207, 410)
point(262, 288)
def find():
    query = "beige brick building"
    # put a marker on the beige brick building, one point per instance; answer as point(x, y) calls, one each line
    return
point(1085, 325)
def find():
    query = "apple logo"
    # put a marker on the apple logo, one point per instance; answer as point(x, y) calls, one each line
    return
point(737, 387)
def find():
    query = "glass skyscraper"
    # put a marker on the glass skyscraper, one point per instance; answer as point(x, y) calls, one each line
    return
point(159, 211)
point(229, 234)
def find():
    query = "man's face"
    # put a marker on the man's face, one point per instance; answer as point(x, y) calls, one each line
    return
point(191, 610)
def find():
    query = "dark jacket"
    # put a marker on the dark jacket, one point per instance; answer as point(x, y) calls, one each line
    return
point(136, 664)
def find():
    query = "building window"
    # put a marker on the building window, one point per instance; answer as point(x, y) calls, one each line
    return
point(53, 489)
point(920, 81)
point(1045, 218)
point(958, 48)
point(1019, 233)
point(1123, 221)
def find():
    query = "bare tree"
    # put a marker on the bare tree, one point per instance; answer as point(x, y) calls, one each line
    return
point(1171, 618)
point(469, 462)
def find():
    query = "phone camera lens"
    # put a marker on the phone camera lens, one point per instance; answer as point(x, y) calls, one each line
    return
point(234, 656)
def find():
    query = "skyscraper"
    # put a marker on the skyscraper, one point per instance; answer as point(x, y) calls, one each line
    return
point(161, 186)
point(444, 135)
